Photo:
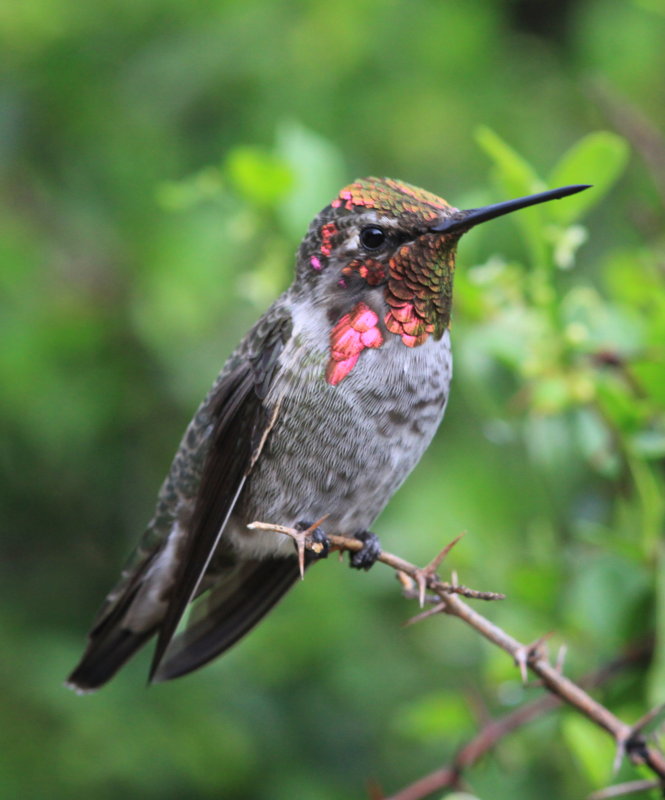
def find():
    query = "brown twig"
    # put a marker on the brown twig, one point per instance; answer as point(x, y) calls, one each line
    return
point(495, 730)
point(628, 740)
point(622, 789)
point(397, 563)
point(487, 738)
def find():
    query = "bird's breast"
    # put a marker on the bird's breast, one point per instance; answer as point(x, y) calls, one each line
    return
point(342, 450)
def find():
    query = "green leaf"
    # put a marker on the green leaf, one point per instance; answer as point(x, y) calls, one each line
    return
point(515, 172)
point(595, 442)
point(598, 159)
point(602, 594)
point(592, 747)
point(649, 443)
point(517, 178)
point(649, 488)
point(434, 714)
point(550, 394)
point(261, 178)
point(318, 173)
point(189, 192)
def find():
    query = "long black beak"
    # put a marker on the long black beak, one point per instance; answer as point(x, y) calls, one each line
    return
point(461, 221)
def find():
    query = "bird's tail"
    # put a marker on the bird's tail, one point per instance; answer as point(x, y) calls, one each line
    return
point(227, 613)
point(110, 643)
point(218, 619)
point(104, 656)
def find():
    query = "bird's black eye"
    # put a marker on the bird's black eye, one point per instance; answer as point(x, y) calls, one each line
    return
point(372, 237)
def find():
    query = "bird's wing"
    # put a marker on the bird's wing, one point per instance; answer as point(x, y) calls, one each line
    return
point(240, 598)
point(241, 422)
point(217, 453)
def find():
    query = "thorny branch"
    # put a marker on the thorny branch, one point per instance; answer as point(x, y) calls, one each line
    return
point(493, 731)
point(629, 739)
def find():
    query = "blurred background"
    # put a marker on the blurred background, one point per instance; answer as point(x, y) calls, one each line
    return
point(159, 163)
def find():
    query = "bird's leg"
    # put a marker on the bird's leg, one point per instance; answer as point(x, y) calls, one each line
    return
point(371, 550)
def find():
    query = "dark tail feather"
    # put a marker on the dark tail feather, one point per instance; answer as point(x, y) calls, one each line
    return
point(228, 613)
point(220, 618)
point(104, 656)
point(110, 644)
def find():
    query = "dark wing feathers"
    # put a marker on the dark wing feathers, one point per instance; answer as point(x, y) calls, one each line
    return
point(232, 448)
point(243, 598)
point(227, 613)
point(240, 422)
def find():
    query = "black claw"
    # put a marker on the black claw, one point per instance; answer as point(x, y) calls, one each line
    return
point(371, 550)
point(318, 536)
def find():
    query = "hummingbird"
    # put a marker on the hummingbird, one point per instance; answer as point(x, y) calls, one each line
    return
point(322, 411)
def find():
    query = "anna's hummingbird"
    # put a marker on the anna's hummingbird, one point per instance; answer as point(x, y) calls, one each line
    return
point(322, 410)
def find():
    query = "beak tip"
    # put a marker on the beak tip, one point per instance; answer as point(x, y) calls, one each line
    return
point(579, 187)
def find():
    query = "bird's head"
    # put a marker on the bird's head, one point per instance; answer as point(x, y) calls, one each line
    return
point(389, 247)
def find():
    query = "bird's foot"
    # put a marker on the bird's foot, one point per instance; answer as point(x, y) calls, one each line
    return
point(311, 543)
point(367, 556)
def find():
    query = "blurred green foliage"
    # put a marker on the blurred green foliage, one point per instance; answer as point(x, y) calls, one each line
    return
point(159, 163)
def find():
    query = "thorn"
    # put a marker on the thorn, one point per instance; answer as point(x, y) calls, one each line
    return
point(300, 539)
point(437, 609)
point(561, 658)
point(302, 544)
point(619, 755)
point(421, 580)
point(424, 574)
point(437, 560)
point(521, 658)
point(527, 652)
point(300, 550)
point(413, 594)
point(405, 580)
point(318, 522)
point(297, 536)
point(643, 721)
point(537, 646)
